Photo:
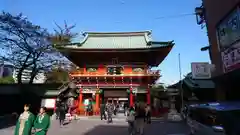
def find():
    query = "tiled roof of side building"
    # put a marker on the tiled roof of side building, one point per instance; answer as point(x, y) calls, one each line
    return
point(198, 83)
point(117, 40)
point(195, 83)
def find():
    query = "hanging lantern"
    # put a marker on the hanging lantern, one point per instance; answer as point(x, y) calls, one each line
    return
point(100, 91)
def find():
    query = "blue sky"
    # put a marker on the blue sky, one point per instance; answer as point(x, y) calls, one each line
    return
point(126, 15)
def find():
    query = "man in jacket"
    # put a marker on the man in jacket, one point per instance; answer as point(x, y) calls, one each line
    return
point(102, 112)
point(140, 118)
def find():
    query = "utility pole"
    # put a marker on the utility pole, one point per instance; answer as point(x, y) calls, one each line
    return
point(180, 77)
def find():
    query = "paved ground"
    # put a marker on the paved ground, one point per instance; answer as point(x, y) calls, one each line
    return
point(98, 127)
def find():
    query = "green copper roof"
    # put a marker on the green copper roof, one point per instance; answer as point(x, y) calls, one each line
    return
point(117, 40)
point(195, 83)
point(199, 83)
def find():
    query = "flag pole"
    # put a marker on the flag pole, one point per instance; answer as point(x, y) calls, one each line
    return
point(180, 77)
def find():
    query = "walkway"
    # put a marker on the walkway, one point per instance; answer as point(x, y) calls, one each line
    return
point(98, 127)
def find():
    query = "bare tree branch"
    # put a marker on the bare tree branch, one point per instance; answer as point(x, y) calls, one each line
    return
point(27, 45)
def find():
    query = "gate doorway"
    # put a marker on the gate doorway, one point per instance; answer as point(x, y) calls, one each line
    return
point(115, 95)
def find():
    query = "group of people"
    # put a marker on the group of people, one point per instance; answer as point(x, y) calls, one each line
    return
point(28, 124)
point(106, 111)
point(137, 116)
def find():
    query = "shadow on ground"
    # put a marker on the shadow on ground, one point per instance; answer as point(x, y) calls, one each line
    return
point(66, 123)
point(8, 121)
point(107, 130)
point(155, 128)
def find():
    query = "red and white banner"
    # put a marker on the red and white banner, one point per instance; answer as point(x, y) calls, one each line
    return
point(49, 103)
point(231, 58)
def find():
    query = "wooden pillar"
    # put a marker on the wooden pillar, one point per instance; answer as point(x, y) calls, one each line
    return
point(97, 103)
point(84, 69)
point(131, 97)
point(148, 94)
point(80, 98)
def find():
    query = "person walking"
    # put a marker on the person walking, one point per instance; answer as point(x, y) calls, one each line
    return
point(140, 118)
point(90, 108)
point(115, 109)
point(148, 113)
point(25, 122)
point(62, 113)
point(110, 109)
point(126, 107)
point(42, 122)
point(57, 109)
point(102, 112)
point(130, 120)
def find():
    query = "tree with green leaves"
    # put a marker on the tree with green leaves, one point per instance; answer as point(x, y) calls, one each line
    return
point(58, 75)
point(157, 89)
point(62, 36)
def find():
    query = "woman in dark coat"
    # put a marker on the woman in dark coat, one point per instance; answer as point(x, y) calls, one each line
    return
point(62, 113)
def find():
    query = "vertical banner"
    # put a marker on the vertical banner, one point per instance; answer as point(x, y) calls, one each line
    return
point(228, 34)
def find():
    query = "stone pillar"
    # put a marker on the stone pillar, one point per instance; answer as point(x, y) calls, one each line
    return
point(173, 115)
point(172, 103)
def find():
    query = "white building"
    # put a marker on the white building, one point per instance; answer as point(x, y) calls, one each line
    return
point(6, 70)
point(26, 75)
point(9, 70)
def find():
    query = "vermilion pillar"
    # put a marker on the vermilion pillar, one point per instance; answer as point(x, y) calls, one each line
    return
point(97, 102)
point(76, 103)
point(148, 96)
point(80, 98)
point(131, 97)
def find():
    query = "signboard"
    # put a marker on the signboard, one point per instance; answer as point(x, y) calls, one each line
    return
point(228, 30)
point(49, 103)
point(231, 58)
point(88, 91)
point(201, 70)
point(228, 33)
point(136, 90)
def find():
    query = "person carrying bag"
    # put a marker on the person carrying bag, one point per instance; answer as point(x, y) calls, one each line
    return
point(131, 119)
